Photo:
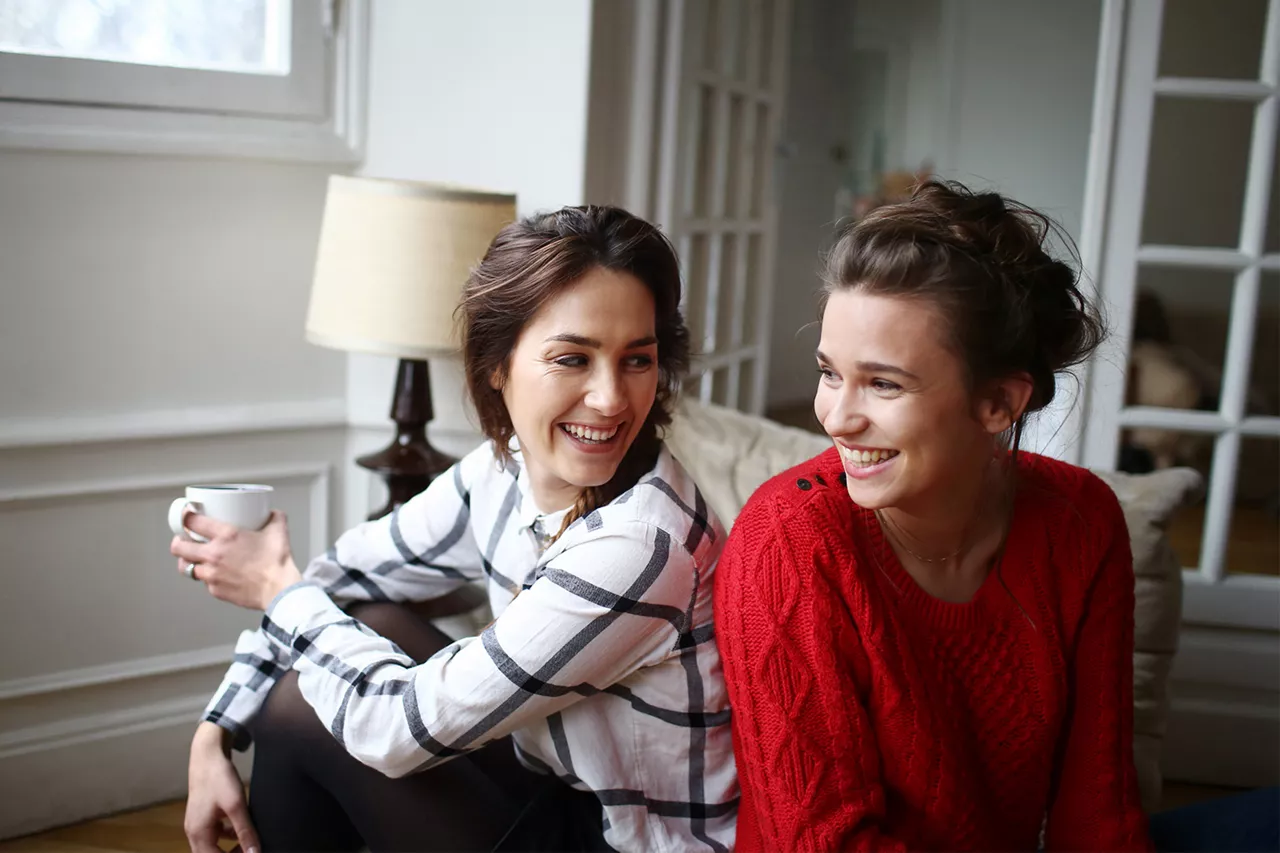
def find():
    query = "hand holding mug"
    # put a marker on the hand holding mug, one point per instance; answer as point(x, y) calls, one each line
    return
point(227, 537)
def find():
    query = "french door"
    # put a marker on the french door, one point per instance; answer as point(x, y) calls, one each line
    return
point(719, 95)
point(1190, 270)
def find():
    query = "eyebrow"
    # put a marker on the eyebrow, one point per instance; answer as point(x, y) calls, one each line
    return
point(583, 341)
point(870, 366)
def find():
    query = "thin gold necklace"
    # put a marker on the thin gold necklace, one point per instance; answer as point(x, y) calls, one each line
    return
point(899, 535)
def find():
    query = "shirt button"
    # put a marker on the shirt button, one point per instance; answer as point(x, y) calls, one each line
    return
point(804, 484)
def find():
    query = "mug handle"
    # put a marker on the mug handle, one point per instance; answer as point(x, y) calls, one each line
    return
point(177, 515)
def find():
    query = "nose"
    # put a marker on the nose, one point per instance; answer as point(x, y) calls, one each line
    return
point(605, 394)
point(844, 418)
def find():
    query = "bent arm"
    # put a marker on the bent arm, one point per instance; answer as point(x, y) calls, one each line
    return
point(422, 550)
point(599, 611)
point(808, 762)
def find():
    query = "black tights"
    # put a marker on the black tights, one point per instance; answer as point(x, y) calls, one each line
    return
point(308, 794)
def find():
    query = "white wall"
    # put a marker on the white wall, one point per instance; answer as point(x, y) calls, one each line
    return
point(1021, 98)
point(996, 93)
point(488, 93)
point(150, 336)
point(151, 314)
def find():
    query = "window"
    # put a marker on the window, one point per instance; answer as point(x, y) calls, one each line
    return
point(273, 78)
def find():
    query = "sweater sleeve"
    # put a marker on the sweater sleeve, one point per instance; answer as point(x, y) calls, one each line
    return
point(1097, 804)
point(808, 762)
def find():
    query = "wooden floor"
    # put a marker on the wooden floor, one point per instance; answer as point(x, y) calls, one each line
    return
point(159, 828)
point(154, 830)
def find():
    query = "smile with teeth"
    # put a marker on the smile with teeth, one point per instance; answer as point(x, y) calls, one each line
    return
point(866, 458)
point(590, 435)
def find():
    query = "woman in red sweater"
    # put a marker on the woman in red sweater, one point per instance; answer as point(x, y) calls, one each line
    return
point(927, 634)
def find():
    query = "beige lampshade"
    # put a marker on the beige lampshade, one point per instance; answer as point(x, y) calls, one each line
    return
point(392, 260)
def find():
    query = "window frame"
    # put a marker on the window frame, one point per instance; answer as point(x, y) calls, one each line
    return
point(313, 114)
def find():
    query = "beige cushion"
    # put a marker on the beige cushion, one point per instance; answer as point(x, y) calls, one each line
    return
point(729, 454)
point(1149, 501)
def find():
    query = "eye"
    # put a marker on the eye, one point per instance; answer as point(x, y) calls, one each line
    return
point(572, 361)
point(885, 386)
point(826, 373)
point(640, 361)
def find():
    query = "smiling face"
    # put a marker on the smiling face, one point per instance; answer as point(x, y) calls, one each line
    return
point(896, 402)
point(580, 383)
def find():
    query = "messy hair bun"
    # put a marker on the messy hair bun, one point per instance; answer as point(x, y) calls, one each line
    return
point(981, 259)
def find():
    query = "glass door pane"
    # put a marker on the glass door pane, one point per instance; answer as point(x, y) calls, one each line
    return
point(1179, 336)
point(1210, 38)
point(1199, 157)
point(1263, 395)
point(1253, 547)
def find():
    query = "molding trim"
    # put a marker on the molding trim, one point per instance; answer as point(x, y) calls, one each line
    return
point(316, 473)
point(94, 727)
point(173, 423)
point(1235, 601)
point(91, 676)
point(1229, 658)
point(180, 479)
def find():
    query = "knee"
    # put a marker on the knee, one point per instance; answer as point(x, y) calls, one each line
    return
point(285, 715)
point(381, 616)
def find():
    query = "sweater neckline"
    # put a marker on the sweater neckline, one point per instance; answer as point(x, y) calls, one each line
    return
point(987, 600)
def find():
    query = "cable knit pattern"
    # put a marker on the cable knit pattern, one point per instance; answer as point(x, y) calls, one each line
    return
point(868, 715)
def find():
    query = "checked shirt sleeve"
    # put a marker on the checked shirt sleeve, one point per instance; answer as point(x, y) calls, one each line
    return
point(421, 551)
point(601, 609)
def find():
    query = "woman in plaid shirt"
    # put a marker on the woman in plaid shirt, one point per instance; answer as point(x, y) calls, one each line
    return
point(591, 714)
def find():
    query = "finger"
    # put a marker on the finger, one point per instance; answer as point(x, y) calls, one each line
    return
point(189, 552)
point(245, 833)
point(204, 841)
point(209, 528)
point(278, 518)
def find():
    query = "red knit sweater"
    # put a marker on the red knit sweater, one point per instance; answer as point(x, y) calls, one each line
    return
point(868, 715)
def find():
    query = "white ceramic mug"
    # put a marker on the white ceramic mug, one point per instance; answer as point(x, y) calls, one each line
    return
point(246, 505)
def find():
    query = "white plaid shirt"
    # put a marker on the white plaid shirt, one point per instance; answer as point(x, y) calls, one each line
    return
point(604, 670)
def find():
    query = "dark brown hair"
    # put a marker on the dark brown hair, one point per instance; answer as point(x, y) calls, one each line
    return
point(529, 263)
point(980, 258)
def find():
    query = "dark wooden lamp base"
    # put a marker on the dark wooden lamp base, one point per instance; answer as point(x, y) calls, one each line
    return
point(408, 465)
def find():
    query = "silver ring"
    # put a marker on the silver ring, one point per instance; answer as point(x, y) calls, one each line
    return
point(190, 571)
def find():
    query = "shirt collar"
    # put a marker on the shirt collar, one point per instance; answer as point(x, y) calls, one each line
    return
point(526, 510)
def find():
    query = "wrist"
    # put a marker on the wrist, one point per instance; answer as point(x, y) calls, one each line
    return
point(285, 578)
point(211, 738)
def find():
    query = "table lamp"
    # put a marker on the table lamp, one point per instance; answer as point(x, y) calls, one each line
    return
point(392, 260)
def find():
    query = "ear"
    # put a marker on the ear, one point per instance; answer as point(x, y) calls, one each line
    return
point(497, 378)
point(1003, 402)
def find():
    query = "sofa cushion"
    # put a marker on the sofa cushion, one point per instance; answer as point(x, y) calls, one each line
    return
point(730, 454)
point(1149, 501)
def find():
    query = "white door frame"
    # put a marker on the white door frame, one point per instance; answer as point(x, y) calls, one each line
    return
point(1112, 246)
